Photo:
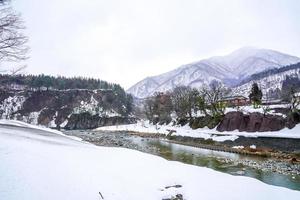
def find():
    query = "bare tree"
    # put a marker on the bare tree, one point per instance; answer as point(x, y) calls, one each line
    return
point(213, 96)
point(158, 108)
point(149, 108)
point(184, 100)
point(18, 70)
point(12, 40)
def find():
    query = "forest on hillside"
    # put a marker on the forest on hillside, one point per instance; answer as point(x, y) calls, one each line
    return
point(45, 82)
point(270, 72)
point(59, 83)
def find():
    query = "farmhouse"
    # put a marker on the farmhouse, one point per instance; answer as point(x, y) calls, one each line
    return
point(235, 100)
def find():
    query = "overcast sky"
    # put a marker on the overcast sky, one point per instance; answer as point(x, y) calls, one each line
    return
point(124, 41)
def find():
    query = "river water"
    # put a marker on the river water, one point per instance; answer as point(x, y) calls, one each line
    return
point(235, 164)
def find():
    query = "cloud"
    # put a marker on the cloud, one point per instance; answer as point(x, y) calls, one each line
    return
point(125, 41)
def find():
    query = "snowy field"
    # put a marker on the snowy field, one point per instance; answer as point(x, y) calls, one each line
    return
point(206, 133)
point(39, 164)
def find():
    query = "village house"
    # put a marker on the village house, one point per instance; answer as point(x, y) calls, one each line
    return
point(235, 101)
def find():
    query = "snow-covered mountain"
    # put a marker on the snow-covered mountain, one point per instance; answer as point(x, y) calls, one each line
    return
point(229, 69)
point(268, 84)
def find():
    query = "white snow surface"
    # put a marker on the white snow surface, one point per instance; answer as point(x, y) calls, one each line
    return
point(146, 127)
point(238, 147)
point(38, 164)
point(250, 109)
point(206, 133)
point(38, 127)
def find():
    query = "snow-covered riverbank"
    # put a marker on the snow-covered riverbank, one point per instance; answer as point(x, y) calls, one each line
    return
point(36, 164)
point(206, 133)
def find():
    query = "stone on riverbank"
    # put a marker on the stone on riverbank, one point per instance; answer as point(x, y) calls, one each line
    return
point(251, 123)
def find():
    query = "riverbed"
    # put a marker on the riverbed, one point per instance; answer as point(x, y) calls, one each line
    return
point(267, 170)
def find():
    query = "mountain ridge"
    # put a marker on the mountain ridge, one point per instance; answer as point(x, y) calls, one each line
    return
point(229, 69)
point(270, 81)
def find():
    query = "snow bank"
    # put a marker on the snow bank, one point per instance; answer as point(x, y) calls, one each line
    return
point(284, 133)
point(206, 133)
point(250, 109)
point(36, 164)
point(146, 127)
point(38, 127)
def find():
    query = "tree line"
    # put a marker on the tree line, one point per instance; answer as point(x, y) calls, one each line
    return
point(59, 83)
point(38, 82)
point(184, 102)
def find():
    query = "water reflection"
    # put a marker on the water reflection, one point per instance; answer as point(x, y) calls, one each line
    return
point(215, 160)
point(196, 156)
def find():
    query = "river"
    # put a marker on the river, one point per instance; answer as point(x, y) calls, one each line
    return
point(256, 167)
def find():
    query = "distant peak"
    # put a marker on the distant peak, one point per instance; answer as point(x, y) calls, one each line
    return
point(229, 69)
point(247, 49)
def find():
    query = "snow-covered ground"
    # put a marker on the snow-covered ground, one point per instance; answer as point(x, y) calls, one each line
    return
point(26, 125)
point(206, 133)
point(250, 109)
point(146, 127)
point(37, 164)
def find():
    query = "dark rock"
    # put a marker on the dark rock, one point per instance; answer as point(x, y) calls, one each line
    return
point(255, 121)
point(62, 115)
point(88, 121)
point(244, 123)
point(251, 123)
point(272, 123)
point(231, 121)
point(293, 118)
point(46, 116)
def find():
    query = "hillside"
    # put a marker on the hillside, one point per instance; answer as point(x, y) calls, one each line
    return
point(71, 103)
point(70, 109)
point(21, 81)
point(270, 81)
point(230, 70)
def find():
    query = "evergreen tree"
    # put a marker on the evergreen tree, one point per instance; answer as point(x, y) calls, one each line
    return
point(255, 95)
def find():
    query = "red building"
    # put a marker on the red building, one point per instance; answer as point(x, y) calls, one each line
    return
point(235, 101)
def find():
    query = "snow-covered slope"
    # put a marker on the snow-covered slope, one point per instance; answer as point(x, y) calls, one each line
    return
point(228, 69)
point(55, 108)
point(267, 84)
point(37, 165)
